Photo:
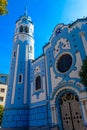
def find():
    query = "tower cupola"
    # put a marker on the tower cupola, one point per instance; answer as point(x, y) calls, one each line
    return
point(24, 33)
point(24, 25)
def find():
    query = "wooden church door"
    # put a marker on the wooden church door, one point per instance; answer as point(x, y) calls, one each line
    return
point(70, 112)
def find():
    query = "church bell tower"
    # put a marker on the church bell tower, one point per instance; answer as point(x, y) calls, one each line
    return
point(17, 103)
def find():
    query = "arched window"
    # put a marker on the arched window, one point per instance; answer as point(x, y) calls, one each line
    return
point(21, 28)
point(38, 83)
point(26, 29)
point(20, 78)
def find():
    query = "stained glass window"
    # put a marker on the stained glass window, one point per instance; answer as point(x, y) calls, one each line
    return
point(64, 63)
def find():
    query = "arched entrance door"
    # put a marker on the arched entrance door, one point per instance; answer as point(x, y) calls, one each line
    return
point(70, 112)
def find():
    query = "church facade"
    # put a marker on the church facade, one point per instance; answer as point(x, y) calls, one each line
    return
point(47, 92)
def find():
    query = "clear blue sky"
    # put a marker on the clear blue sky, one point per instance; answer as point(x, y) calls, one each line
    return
point(45, 14)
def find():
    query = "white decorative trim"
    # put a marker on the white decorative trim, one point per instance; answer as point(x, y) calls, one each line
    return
point(77, 24)
point(79, 85)
point(54, 114)
point(15, 39)
point(23, 37)
point(42, 94)
point(62, 26)
point(71, 81)
point(54, 81)
point(37, 70)
point(82, 34)
point(65, 44)
point(44, 85)
point(26, 71)
point(47, 47)
point(74, 73)
point(38, 60)
point(20, 20)
point(62, 89)
point(58, 26)
point(15, 74)
point(47, 76)
point(84, 109)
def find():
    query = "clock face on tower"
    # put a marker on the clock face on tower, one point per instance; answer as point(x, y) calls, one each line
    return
point(64, 63)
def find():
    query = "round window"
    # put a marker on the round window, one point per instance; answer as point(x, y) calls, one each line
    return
point(64, 63)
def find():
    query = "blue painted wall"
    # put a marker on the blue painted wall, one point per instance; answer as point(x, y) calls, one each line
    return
point(37, 111)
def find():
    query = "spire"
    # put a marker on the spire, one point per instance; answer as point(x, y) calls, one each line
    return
point(26, 12)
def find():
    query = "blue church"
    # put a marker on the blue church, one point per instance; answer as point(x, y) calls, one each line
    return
point(46, 93)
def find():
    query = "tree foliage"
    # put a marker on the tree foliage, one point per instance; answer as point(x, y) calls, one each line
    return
point(1, 113)
point(83, 72)
point(3, 4)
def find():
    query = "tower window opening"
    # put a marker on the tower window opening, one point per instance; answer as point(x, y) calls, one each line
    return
point(31, 49)
point(38, 83)
point(26, 29)
point(20, 78)
point(21, 28)
point(14, 54)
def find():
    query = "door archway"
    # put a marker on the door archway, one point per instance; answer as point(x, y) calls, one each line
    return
point(70, 112)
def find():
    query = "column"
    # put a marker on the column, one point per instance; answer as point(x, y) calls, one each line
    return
point(54, 114)
point(15, 75)
point(26, 72)
point(84, 110)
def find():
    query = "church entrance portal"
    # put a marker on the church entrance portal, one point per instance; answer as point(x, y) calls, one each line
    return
point(70, 112)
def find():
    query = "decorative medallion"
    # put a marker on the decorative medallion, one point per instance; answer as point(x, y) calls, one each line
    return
point(23, 37)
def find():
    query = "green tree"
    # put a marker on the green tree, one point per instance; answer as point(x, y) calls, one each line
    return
point(83, 72)
point(3, 4)
point(1, 113)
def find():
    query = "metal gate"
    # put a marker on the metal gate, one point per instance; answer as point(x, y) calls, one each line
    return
point(70, 112)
